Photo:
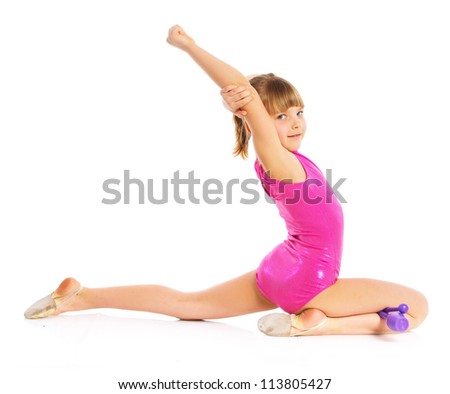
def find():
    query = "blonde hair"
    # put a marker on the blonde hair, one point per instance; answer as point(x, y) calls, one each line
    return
point(277, 95)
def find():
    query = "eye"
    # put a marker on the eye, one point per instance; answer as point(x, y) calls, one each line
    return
point(300, 113)
point(281, 116)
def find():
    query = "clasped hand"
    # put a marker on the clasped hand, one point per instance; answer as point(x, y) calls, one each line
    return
point(236, 97)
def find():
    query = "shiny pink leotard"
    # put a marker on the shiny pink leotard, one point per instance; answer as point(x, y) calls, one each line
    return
point(308, 261)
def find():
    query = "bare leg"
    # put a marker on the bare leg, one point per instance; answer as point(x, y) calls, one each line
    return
point(236, 297)
point(351, 305)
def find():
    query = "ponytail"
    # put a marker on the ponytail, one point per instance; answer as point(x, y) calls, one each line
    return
point(242, 138)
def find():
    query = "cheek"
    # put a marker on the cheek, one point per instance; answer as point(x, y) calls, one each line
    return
point(281, 131)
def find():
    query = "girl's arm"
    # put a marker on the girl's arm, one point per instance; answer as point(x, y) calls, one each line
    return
point(272, 155)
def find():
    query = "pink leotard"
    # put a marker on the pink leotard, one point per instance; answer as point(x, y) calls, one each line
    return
point(308, 261)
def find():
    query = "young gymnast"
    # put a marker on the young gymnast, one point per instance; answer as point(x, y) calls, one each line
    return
point(301, 274)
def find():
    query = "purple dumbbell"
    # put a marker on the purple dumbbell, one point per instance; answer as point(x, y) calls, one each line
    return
point(395, 317)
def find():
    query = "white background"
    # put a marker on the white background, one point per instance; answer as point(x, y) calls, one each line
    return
point(90, 88)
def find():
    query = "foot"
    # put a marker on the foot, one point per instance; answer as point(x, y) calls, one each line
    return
point(308, 322)
point(63, 299)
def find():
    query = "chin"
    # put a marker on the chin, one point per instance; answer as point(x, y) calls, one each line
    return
point(292, 147)
point(296, 147)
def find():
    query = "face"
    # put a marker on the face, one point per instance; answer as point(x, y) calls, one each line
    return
point(291, 127)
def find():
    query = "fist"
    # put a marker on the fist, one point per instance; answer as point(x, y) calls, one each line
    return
point(178, 38)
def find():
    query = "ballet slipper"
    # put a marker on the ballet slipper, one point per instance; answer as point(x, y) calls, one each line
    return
point(281, 325)
point(298, 328)
point(50, 304)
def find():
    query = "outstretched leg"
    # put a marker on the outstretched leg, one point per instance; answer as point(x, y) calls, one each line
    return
point(352, 305)
point(236, 297)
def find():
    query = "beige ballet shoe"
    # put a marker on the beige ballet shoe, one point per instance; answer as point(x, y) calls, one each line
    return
point(282, 325)
point(50, 304)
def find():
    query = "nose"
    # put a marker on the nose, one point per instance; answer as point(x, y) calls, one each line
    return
point(295, 123)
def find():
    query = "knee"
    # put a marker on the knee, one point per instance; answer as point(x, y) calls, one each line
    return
point(418, 310)
point(188, 306)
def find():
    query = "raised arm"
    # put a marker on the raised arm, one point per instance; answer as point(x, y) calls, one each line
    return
point(220, 72)
point(269, 150)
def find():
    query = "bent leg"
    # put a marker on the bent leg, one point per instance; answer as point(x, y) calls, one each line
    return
point(236, 297)
point(352, 306)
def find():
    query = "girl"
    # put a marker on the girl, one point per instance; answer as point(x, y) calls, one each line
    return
point(301, 274)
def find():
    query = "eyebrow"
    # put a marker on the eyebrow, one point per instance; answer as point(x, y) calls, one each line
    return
point(284, 111)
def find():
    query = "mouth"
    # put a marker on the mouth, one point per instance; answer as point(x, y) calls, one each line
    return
point(295, 135)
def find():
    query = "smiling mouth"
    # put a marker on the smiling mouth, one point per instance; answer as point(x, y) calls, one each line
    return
point(295, 135)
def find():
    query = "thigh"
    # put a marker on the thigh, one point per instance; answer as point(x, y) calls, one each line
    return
point(235, 297)
point(355, 296)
